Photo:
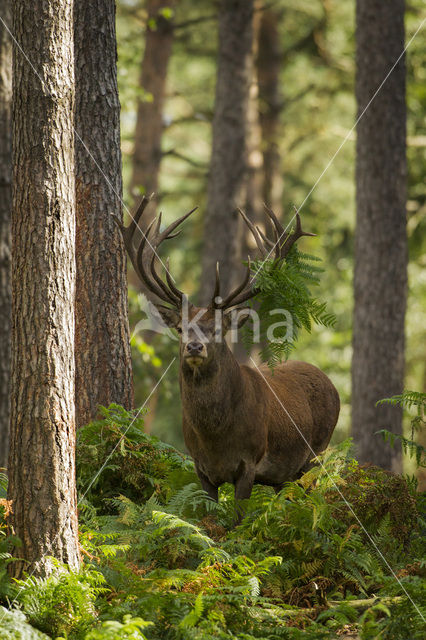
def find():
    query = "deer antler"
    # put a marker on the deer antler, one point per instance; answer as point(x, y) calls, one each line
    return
point(281, 246)
point(142, 248)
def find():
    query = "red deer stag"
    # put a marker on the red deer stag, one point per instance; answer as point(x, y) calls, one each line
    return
point(241, 425)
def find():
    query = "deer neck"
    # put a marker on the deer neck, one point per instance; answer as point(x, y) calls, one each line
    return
point(210, 393)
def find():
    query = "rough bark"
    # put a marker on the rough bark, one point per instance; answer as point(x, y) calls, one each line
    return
point(149, 123)
point(42, 436)
point(5, 208)
point(103, 360)
point(269, 63)
point(228, 165)
point(380, 242)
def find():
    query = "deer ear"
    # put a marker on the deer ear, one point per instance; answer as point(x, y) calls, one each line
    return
point(235, 317)
point(170, 316)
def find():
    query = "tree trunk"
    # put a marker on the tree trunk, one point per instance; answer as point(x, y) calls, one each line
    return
point(5, 207)
point(149, 123)
point(103, 360)
point(270, 105)
point(254, 162)
point(42, 436)
point(380, 241)
point(228, 165)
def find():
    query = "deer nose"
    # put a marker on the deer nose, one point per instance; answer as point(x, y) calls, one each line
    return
point(194, 348)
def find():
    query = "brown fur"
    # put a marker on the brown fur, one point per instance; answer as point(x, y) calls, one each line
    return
point(244, 426)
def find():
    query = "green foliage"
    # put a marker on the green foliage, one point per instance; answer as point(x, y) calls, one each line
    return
point(408, 400)
point(303, 564)
point(129, 462)
point(130, 629)
point(383, 501)
point(286, 286)
point(14, 626)
point(290, 570)
point(6, 540)
point(63, 603)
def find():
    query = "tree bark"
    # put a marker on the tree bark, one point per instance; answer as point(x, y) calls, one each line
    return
point(380, 241)
point(5, 209)
point(254, 161)
point(42, 437)
point(149, 123)
point(103, 360)
point(228, 165)
point(269, 63)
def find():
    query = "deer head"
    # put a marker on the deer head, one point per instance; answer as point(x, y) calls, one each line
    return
point(201, 329)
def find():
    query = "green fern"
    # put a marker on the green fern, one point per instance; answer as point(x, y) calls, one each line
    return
point(407, 400)
point(286, 285)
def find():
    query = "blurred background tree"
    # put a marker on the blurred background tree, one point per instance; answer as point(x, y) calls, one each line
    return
point(304, 95)
point(380, 259)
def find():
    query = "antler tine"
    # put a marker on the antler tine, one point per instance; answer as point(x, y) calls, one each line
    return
point(280, 234)
point(167, 233)
point(254, 232)
point(143, 252)
point(239, 294)
point(291, 239)
point(158, 226)
point(281, 246)
point(266, 240)
point(216, 291)
point(128, 233)
point(178, 293)
point(277, 224)
point(172, 293)
point(141, 264)
point(169, 294)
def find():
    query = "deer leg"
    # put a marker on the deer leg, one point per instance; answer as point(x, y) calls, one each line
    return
point(208, 487)
point(243, 488)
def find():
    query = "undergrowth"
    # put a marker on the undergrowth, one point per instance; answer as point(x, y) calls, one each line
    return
point(338, 550)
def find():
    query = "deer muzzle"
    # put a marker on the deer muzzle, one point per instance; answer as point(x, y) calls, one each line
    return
point(195, 353)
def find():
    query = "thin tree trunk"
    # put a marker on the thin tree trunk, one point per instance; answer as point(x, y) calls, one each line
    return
point(254, 180)
point(252, 203)
point(42, 437)
point(103, 360)
point(228, 165)
point(268, 70)
point(380, 241)
point(5, 210)
point(149, 124)
point(147, 152)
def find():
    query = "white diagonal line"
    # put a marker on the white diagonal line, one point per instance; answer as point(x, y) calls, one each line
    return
point(346, 138)
point(340, 493)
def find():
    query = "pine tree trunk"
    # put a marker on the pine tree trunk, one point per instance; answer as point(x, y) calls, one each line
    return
point(5, 210)
point(269, 64)
point(42, 435)
point(228, 165)
point(103, 360)
point(253, 206)
point(380, 241)
point(149, 124)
